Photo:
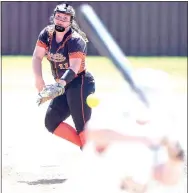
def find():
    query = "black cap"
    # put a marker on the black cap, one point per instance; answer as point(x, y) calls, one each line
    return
point(65, 8)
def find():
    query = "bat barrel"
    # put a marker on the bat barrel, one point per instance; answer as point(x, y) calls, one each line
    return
point(106, 46)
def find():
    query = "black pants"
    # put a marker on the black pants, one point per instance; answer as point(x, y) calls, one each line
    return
point(72, 102)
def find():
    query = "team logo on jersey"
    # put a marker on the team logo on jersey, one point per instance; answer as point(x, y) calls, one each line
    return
point(56, 57)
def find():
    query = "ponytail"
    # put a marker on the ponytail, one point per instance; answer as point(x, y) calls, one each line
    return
point(76, 27)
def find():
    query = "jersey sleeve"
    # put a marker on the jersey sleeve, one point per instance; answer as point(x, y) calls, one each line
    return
point(77, 48)
point(43, 39)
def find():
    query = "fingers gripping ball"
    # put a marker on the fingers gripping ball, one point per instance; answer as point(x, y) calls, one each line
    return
point(92, 100)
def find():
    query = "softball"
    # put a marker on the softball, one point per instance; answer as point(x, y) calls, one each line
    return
point(92, 100)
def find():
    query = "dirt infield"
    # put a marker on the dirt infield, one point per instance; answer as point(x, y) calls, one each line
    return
point(33, 159)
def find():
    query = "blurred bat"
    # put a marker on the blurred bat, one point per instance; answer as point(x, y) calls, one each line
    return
point(107, 46)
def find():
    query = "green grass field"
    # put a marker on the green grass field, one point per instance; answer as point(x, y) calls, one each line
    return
point(17, 70)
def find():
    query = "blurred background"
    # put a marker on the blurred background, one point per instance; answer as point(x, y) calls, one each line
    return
point(151, 34)
point(140, 28)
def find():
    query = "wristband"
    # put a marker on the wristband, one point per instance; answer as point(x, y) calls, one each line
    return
point(68, 76)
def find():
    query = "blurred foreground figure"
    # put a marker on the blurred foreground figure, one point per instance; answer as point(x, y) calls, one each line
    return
point(133, 149)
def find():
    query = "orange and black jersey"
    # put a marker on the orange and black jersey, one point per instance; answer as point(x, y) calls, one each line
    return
point(59, 54)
